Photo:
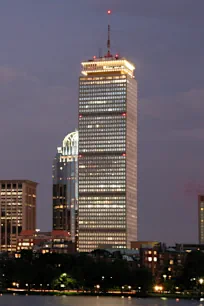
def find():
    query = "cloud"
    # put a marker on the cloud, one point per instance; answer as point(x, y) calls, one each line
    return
point(10, 74)
point(177, 118)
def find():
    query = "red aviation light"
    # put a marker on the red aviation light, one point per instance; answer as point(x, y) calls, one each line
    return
point(80, 116)
point(124, 154)
point(117, 56)
point(80, 156)
point(109, 12)
point(124, 114)
point(94, 57)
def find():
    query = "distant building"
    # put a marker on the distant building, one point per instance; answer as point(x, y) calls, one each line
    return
point(17, 211)
point(189, 247)
point(201, 219)
point(136, 245)
point(57, 241)
point(107, 153)
point(65, 186)
point(163, 262)
point(131, 256)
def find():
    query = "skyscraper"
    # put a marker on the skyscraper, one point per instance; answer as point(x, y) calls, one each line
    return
point(65, 186)
point(201, 219)
point(17, 211)
point(107, 153)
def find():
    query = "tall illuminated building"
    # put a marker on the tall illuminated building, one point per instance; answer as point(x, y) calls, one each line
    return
point(17, 211)
point(107, 153)
point(65, 186)
point(201, 219)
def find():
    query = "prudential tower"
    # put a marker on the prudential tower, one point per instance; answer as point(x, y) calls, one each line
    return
point(107, 153)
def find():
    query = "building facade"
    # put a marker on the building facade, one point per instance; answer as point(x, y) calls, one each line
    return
point(57, 241)
point(201, 219)
point(165, 263)
point(65, 186)
point(107, 153)
point(17, 211)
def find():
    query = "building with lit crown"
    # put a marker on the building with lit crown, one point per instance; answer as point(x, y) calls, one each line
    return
point(107, 153)
point(17, 211)
point(65, 186)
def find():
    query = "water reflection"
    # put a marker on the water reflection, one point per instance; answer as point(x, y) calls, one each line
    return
point(8, 300)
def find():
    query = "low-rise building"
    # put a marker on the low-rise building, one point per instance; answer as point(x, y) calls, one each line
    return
point(56, 241)
point(163, 262)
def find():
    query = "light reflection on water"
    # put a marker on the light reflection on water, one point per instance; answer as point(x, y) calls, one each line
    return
point(9, 300)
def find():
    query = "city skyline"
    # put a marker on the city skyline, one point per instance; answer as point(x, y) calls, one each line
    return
point(39, 98)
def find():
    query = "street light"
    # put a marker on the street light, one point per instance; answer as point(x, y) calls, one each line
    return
point(201, 281)
point(164, 276)
point(98, 287)
point(158, 288)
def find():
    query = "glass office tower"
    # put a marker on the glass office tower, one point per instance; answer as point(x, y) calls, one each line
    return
point(107, 153)
point(65, 186)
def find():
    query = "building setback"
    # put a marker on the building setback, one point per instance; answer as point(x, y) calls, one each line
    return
point(17, 211)
point(65, 186)
point(107, 153)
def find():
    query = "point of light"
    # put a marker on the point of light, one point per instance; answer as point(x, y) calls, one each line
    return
point(109, 12)
point(124, 114)
point(94, 57)
point(80, 116)
point(124, 154)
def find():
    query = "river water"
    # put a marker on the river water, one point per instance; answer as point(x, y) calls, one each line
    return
point(9, 300)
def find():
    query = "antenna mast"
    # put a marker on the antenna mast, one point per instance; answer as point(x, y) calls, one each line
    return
point(108, 41)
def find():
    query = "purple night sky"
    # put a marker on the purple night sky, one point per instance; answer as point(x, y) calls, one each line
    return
point(42, 45)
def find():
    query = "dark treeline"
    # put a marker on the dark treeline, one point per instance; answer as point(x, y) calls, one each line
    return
point(98, 271)
point(78, 271)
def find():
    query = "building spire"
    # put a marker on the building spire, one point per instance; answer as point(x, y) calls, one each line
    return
point(108, 41)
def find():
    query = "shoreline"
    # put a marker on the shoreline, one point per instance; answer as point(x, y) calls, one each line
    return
point(104, 294)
